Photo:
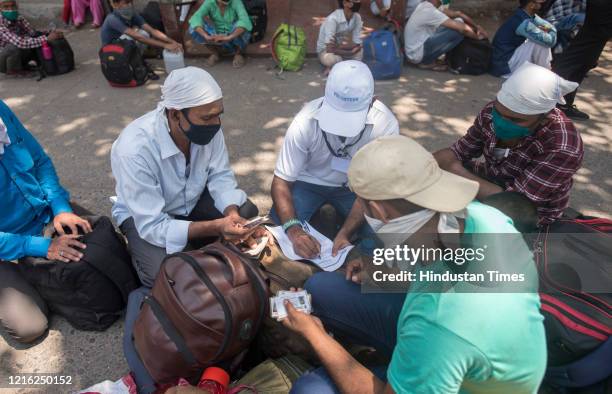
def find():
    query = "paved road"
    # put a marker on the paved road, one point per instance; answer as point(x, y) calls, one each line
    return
point(77, 116)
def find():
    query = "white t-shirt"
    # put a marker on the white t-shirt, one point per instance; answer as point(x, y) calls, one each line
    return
point(422, 24)
point(306, 157)
point(336, 27)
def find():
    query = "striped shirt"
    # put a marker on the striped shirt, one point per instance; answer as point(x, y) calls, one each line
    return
point(19, 33)
point(540, 167)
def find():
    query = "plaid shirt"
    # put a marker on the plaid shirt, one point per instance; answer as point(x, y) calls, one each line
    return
point(562, 8)
point(19, 33)
point(540, 167)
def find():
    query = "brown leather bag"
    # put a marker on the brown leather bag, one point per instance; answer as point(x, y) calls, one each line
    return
point(205, 308)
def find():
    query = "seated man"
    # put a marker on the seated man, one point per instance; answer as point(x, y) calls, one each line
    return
point(174, 181)
point(18, 40)
point(340, 35)
point(222, 25)
point(318, 147)
point(31, 198)
point(568, 17)
point(529, 146)
point(435, 333)
point(125, 23)
point(524, 37)
point(431, 32)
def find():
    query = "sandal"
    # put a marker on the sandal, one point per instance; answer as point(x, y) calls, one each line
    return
point(433, 67)
point(239, 61)
point(212, 60)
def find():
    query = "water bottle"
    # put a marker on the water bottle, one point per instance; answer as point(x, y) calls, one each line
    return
point(214, 381)
point(46, 51)
point(173, 60)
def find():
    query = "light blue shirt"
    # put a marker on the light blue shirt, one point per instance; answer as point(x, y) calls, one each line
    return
point(30, 192)
point(154, 183)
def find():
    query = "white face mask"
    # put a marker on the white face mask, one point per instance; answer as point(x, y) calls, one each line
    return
point(398, 230)
point(4, 138)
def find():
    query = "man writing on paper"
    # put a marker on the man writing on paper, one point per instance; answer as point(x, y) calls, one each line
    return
point(442, 338)
point(174, 181)
point(318, 147)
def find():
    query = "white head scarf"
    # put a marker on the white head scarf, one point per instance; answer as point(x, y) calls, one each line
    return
point(533, 90)
point(4, 138)
point(189, 87)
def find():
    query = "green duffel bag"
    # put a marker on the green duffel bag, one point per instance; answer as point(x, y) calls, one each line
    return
point(289, 47)
point(273, 376)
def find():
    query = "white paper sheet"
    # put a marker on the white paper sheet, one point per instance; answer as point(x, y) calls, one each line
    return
point(325, 261)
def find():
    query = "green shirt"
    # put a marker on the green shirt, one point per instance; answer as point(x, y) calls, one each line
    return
point(235, 16)
point(473, 342)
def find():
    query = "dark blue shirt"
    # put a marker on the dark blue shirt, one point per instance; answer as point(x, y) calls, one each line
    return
point(114, 26)
point(505, 43)
point(30, 193)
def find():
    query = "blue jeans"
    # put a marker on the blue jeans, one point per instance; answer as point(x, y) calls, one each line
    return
point(443, 40)
point(566, 26)
point(239, 42)
point(365, 319)
point(308, 198)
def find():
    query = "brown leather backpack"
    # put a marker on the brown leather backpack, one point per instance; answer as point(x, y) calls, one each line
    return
point(205, 308)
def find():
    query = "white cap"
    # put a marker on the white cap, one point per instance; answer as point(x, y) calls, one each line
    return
point(348, 95)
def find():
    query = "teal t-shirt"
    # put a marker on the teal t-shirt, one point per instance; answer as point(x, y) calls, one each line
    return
point(473, 342)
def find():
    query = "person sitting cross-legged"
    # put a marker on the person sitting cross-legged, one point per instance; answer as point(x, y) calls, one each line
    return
point(529, 146)
point(441, 336)
point(32, 197)
point(524, 37)
point(18, 40)
point(175, 188)
point(224, 27)
point(431, 33)
point(318, 147)
point(340, 35)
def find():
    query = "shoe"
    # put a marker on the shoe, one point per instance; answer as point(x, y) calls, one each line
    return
point(153, 76)
point(572, 112)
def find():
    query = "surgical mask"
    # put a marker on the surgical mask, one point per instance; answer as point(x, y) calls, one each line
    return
point(356, 7)
point(11, 15)
point(398, 230)
point(445, 5)
point(507, 130)
point(199, 134)
point(125, 13)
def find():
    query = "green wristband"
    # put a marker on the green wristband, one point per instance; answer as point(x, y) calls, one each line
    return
point(290, 223)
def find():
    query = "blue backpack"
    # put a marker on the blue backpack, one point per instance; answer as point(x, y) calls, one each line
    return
point(382, 54)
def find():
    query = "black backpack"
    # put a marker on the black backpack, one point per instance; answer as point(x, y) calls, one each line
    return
point(122, 64)
point(258, 11)
point(470, 57)
point(92, 293)
point(574, 260)
point(62, 61)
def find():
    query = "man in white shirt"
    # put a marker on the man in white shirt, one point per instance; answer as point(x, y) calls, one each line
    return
point(340, 35)
point(431, 32)
point(174, 181)
point(319, 144)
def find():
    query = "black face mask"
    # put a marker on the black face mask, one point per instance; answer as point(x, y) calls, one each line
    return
point(199, 134)
point(356, 7)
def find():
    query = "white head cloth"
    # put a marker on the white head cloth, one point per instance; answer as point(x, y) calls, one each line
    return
point(189, 87)
point(533, 90)
point(4, 138)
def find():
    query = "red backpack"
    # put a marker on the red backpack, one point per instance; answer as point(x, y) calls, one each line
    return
point(122, 64)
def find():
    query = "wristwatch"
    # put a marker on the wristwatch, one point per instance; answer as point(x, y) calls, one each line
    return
point(290, 223)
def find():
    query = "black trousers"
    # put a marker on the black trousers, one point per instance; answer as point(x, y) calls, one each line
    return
point(583, 51)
